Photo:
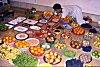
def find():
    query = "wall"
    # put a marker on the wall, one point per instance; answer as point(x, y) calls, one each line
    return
point(88, 6)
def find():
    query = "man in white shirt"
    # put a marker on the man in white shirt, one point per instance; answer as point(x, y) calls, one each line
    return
point(69, 10)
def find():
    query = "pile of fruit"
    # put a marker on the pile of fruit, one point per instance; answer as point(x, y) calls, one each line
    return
point(59, 46)
point(97, 37)
point(36, 50)
point(22, 44)
point(75, 44)
point(78, 30)
point(74, 24)
point(96, 43)
point(52, 58)
point(50, 39)
point(85, 42)
point(47, 15)
point(9, 39)
point(67, 19)
point(96, 54)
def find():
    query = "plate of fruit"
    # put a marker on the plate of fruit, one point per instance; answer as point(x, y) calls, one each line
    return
point(22, 45)
point(50, 39)
point(9, 40)
point(85, 42)
point(47, 15)
point(78, 30)
point(75, 44)
point(96, 43)
point(96, 54)
point(59, 45)
point(74, 24)
point(67, 19)
point(36, 50)
point(52, 58)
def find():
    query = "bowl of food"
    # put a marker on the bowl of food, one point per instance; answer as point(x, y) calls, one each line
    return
point(50, 39)
point(25, 60)
point(75, 44)
point(47, 15)
point(78, 30)
point(36, 50)
point(59, 46)
point(32, 41)
point(45, 45)
point(22, 45)
point(69, 53)
point(52, 58)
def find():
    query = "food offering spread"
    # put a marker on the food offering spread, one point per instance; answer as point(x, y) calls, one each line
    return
point(46, 42)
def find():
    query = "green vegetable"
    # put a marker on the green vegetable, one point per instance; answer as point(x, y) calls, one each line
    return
point(29, 16)
point(3, 27)
point(25, 60)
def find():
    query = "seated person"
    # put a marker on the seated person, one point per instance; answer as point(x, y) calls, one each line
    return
point(69, 10)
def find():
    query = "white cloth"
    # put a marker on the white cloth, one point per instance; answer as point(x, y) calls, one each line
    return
point(74, 11)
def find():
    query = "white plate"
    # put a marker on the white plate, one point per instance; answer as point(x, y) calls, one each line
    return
point(20, 19)
point(35, 27)
point(20, 28)
point(41, 21)
point(10, 26)
point(13, 22)
point(21, 36)
point(32, 44)
point(29, 21)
